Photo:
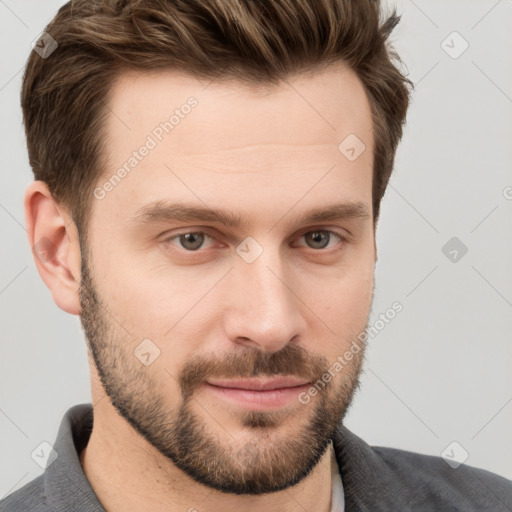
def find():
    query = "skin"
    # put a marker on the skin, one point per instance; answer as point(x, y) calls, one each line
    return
point(161, 439)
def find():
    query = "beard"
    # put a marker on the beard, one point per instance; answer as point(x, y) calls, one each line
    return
point(268, 459)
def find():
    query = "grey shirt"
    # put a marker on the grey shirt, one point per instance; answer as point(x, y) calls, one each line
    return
point(374, 478)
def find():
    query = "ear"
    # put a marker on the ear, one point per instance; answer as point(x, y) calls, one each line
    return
point(53, 237)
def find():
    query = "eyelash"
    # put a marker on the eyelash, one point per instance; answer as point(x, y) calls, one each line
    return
point(209, 234)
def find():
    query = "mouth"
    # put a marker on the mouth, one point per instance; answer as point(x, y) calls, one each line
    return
point(260, 394)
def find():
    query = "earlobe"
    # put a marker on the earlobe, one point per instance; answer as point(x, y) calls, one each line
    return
point(54, 242)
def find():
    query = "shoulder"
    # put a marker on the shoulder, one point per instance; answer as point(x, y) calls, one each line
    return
point(63, 486)
point(379, 478)
point(432, 476)
point(29, 498)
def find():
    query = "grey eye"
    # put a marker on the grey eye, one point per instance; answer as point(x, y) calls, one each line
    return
point(319, 239)
point(191, 241)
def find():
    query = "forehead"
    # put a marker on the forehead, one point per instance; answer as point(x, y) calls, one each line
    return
point(182, 138)
point(332, 103)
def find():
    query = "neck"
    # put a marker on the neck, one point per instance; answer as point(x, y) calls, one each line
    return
point(127, 473)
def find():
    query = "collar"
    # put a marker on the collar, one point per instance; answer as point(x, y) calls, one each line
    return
point(358, 465)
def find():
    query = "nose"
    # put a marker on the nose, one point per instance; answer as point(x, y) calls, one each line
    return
point(262, 310)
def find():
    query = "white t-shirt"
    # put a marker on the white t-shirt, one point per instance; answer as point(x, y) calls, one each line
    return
point(337, 496)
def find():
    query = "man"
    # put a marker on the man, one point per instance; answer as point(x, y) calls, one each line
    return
point(208, 181)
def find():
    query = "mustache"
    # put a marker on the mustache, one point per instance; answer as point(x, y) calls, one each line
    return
point(251, 362)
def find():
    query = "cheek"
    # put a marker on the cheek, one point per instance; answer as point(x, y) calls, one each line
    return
point(343, 305)
point(347, 306)
point(152, 306)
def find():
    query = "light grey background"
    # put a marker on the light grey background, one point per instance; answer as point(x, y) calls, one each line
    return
point(440, 371)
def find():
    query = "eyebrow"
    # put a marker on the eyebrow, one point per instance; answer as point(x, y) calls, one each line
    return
point(164, 211)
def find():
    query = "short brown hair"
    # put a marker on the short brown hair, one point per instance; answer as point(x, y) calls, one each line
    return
point(64, 96)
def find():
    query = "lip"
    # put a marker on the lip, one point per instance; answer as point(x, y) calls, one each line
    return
point(258, 394)
point(256, 384)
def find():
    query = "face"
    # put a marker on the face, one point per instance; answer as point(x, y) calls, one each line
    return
point(178, 305)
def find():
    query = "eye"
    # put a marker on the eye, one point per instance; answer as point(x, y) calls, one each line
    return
point(320, 238)
point(190, 241)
